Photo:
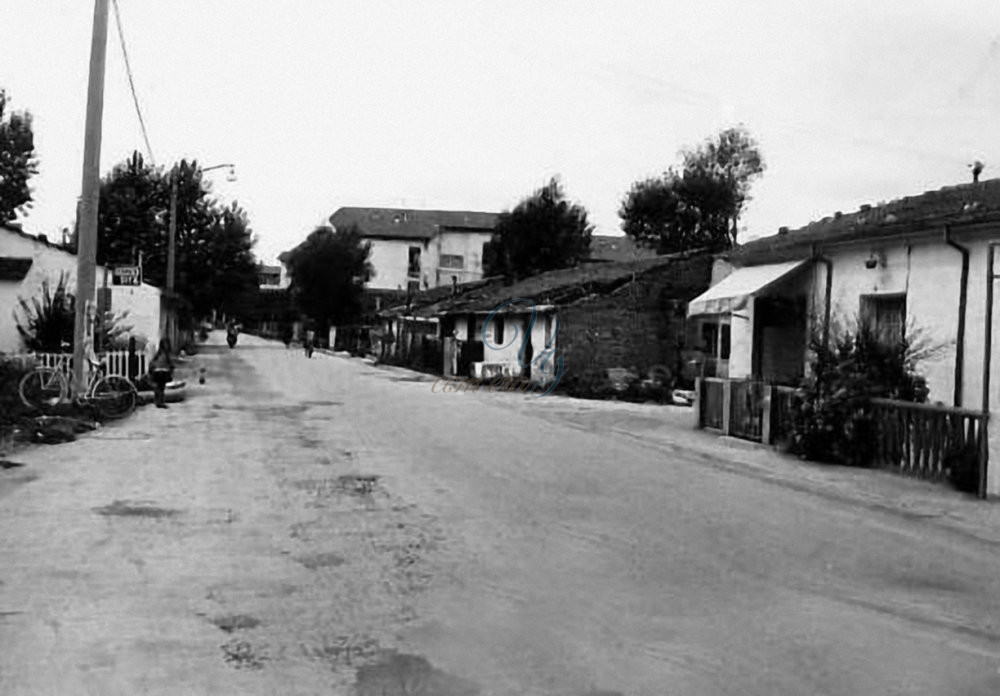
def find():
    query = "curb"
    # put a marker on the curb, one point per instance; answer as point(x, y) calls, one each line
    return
point(947, 516)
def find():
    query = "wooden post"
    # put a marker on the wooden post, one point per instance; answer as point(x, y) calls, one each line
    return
point(86, 248)
point(699, 400)
point(727, 406)
point(984, 455)
point(767, 414)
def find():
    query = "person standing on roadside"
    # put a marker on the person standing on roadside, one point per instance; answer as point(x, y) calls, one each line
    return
point(161, 369)
point(309, 343)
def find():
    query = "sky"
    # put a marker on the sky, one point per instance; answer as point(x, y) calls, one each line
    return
point(473, 105)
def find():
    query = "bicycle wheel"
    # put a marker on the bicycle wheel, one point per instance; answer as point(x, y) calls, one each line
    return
point(113, 397)
point(43, 388)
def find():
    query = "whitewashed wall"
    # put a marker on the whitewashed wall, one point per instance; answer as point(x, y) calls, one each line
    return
point(142, 303)
point(48, 262)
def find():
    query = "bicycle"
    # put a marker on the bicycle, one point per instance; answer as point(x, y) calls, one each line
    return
point(111, 396)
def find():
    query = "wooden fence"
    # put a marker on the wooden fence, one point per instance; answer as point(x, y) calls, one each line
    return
point(741, 408)
point(710, 403)
point(926, 441)
point(915, 439)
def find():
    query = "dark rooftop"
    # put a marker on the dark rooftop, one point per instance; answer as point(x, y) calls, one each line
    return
point(40, 238)
point(550, 288)
point(399, 223)
point(951, 205)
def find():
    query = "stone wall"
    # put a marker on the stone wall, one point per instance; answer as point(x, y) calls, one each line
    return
point(640, 325)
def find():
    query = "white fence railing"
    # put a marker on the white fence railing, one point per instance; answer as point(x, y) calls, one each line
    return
point(116, 363)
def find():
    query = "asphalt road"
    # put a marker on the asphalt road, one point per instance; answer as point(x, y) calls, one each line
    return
point(327, 527)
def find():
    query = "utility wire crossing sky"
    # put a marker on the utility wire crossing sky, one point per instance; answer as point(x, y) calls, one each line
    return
point(474, 105)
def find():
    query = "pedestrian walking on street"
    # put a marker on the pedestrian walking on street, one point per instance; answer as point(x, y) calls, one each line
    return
point(161, 370)
point(308, 344)
point(287, 335)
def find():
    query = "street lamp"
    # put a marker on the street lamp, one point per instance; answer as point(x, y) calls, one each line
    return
point(172, 237)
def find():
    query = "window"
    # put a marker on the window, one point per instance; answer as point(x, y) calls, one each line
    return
point(497, 330)
point(885, 315)
point(452, 261)
point(716, 340)
point(710, 338)
point(414, 267)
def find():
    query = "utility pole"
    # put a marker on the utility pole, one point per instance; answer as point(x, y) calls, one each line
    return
point(172, 257)
point(86, 250)
point(172, 240)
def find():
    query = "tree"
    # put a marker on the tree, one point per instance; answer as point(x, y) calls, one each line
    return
point(697, 206)
point(543, 232)
point(215, 264)
point(328, 271)
point(17, 161)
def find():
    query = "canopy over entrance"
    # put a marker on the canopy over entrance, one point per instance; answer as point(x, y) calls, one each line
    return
point(736, 289)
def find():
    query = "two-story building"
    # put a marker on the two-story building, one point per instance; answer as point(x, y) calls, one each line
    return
point(414, 250)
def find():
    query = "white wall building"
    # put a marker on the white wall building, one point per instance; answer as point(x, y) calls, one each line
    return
point(27, 261)
point(415, 250)
point(921, 264)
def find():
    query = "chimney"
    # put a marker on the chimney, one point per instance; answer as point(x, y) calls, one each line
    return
point(977, 169)
point(454, 285)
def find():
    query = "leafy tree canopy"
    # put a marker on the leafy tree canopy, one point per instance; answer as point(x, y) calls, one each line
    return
point(17, 161)
point(543, 232)
point(215, 265)
point(699, 204)
point(328, 271)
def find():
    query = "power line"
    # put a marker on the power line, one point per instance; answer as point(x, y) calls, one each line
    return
point(131, 82)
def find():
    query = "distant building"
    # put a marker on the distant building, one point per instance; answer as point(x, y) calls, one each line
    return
point(414, 250)
point(270, 277)
point(617, 248)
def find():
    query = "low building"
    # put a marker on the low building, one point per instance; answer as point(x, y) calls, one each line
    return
point(920, 262)
point(28, 261)
point(922, 266)
point(593, 318)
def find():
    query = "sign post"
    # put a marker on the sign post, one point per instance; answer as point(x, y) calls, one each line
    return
point(127, 275)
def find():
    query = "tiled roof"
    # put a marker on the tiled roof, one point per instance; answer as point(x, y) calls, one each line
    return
point(621, 248)
point(14, 268)
point(399, 223)
point(553, 287)
point(951, 205)
point(40, 238)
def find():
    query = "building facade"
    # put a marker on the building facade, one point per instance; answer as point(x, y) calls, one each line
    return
point(27, 262)
point(416, 250)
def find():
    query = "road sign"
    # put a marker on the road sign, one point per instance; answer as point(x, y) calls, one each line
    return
point(126, 275)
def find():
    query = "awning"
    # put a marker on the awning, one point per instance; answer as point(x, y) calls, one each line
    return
point(739, 286)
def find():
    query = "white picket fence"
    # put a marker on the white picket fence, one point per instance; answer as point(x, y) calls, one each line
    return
point(116, 363)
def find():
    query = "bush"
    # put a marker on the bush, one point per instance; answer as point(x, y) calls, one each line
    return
point(831, 411)
point(11, 372)
point(962, 466)
point(587, 384)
